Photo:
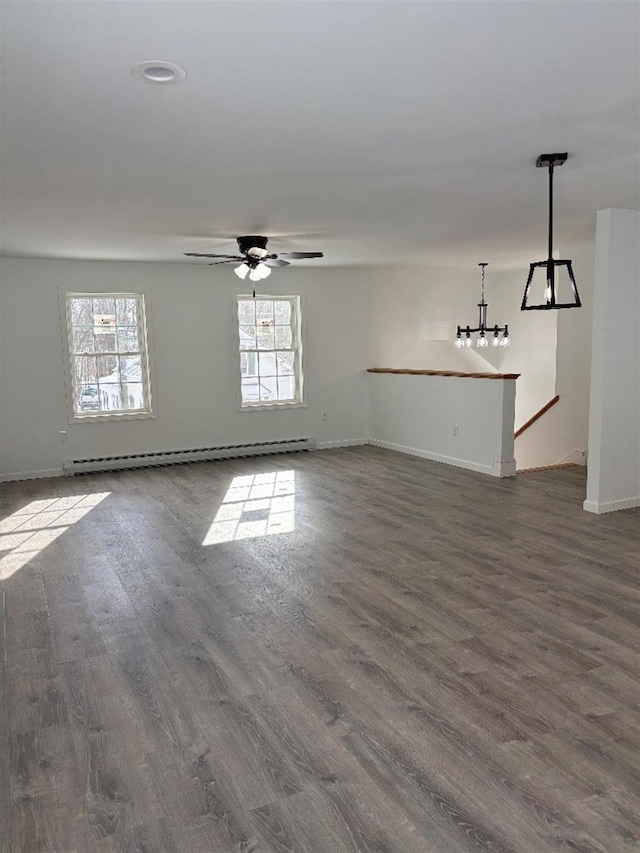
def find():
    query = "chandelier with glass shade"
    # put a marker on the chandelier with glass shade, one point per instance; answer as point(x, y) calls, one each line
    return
point(499, 334)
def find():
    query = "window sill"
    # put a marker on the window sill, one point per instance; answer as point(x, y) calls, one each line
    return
point(116, 416)
point(270, 407)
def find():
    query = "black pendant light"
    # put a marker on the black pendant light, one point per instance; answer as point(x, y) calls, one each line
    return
point(550, 272)
point(499, 334)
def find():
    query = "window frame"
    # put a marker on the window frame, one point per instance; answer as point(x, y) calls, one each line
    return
point(298, 346)
point(147, 373)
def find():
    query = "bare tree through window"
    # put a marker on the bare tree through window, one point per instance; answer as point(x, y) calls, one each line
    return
point(270, 350)
point(108, 354)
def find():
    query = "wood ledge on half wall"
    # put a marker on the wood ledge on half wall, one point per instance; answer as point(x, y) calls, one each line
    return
point(409, 371)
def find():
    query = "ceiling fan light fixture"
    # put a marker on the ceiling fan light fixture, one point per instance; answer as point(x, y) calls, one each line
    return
point(255, 260)
point(259, 272)
point(242, 271)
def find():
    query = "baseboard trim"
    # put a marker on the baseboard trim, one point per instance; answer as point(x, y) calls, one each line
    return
point(347, 442)
point(504, 468)
point(31, 475)
point(611, 506)
point(578, 456)
point(550, 467)
point(500, 468)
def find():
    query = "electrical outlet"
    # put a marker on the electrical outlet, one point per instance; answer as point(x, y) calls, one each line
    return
point(456, 429)
point(63, 435)
point(325, 416)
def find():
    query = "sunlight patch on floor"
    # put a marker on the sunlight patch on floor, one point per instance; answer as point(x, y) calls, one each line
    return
point(28, 531)
point(255, 505)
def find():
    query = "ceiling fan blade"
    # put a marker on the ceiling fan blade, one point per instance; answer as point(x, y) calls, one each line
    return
point(200, 255)
point(217, 263)
point(296, 255)
point(275, 262)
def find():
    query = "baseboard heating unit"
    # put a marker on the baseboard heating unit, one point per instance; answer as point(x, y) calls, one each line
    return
point(175, 457)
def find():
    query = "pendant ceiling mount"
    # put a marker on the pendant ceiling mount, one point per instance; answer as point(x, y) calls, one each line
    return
point(549, 274)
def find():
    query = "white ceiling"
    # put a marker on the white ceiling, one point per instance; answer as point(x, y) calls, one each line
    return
point(382, 130)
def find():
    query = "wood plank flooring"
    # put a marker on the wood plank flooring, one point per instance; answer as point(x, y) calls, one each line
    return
point(373, 654)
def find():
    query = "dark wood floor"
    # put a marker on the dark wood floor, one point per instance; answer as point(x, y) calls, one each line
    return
point(431, 661)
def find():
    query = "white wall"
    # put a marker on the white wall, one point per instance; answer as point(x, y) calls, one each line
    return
point(355, 319)
point(614, 428)
point(414, 316)
point(416, 414)
point(573, 359)
point(415, 313)
point(444, 355)
point(411, 306)
point(192, 345)
point(532, 353)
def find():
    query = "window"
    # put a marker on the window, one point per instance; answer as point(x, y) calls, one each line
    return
point(108, 358)
point(270, 351)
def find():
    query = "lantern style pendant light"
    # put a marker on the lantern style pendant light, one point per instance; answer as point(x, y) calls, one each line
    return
point(499, 334)
point(549, 274)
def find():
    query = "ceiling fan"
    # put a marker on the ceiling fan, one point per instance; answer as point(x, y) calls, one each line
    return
point(254, 259)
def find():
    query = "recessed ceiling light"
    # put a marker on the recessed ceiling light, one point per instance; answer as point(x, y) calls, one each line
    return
point(157, 71)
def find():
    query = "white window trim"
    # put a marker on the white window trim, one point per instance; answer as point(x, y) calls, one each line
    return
point(300, 331)
point(148, 364)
